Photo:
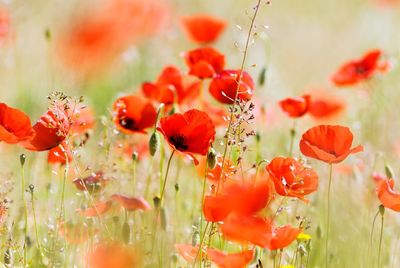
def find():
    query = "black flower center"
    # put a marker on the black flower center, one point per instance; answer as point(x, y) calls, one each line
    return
point(128, 123)
point(179, 142)
point(361, 69)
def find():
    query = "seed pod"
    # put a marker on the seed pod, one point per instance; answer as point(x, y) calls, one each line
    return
point(135, 156)
point(212, 158)
point(156, 201)
point(381, 210)
point(154, 143)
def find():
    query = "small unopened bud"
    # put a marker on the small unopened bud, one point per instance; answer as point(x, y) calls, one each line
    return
point(176, 187)
point(195, 238)
point(258, 137)
point(22, 159)
point(135, 156)
point(381, 210)
point(261, 77)
point(212, 158)
point(389, 172)
point(154, 143)
point(31, 188)
point(156, 201)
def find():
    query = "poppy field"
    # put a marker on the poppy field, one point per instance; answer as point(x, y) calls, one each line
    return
point(176, 133)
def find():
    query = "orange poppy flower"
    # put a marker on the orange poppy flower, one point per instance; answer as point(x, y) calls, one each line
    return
point(296, 107)
point(202, 28)
point(247, 229)
point(98, 209)
point(75, 233)
point(187, 251)
point(291, 178)
point(172, 87)
point(113, 255)
point(282, 237)
point(133, 114)
point(204, 62)
point(189, 133)
point(60, 154)
point(50, 130)
point(131, 203)
point(84, 46)
point(331, 144)
point(15, 125)
point(356, 71)
point(92, 183)
point(239, 197)
point(389, 197)
point(4, 25)
point(223, 87)
point(324, 105)
point(217, 114)
point(215, 175)
point(233, 260)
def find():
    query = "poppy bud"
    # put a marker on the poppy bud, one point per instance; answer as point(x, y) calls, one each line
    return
point(381, 210)
point(154, 143)
point(22, 159)
point(261, 77)
point(389, 171)
point(258, 137)
point(195, 238)
point(126, 232)
point(319, 232)
point(212, 158)
point(156, 202)
point(135, 156)
point(176, 187)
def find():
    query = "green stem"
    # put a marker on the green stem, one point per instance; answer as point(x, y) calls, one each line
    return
point(25, 210)
point(328, 217)
point(166, 177)
point(380, 242)
point(35, 223)
point(371, 233)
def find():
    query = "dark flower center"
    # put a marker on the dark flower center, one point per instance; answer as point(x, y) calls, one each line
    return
point(179, 142)
point(128, 123)
point(360, 69)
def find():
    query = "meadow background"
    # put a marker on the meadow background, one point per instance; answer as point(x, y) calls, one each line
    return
point(299, 43)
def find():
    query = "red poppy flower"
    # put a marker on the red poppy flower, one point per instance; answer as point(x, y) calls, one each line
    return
point(92, 183)
point(172, 87)
point(291, 178)
point(60, 154)
point(217, 114)
point(203, 28)
point(98, 209)
point(15, 126)
point(113, 255)
point(188, 252)
point(190, 133)
point(215, 175)
point(131, 203)
point(82, 119)
point(247, 229)
point(331, 144)
point(85, 44)
point(204, 62)
point(356, 71)
point(324, 105)
point(282, 237)
point(296, 107)
point(239, 197)
point(133, 114)
point(223, 87)
point(233, 260)
point(389, 197)
point(50, 130)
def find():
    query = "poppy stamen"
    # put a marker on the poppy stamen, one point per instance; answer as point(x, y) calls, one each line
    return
point(179, 142)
